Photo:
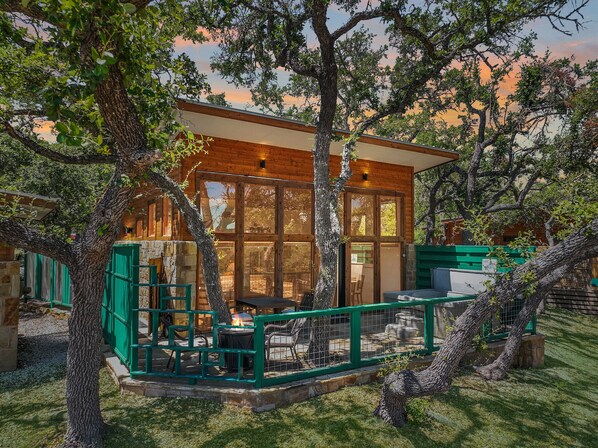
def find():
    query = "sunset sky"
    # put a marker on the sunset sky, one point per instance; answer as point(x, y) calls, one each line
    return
point(583, 44)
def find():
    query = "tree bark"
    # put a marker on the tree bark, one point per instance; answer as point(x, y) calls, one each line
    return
point(85, 424)
point(497, 370)
point(399, 387)
point(204, 241)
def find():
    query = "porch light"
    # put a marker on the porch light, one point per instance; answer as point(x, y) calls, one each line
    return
point(365, 176)
point(263, 163)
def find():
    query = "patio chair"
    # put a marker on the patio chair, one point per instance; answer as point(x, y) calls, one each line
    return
point(285, 336)
point(307, 302)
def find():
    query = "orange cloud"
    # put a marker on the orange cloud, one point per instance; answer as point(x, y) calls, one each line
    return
point(45, 130)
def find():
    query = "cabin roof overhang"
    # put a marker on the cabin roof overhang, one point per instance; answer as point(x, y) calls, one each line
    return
point(235, 124)
point(27, 205)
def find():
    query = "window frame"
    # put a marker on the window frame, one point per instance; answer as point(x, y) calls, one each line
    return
point(279, 237)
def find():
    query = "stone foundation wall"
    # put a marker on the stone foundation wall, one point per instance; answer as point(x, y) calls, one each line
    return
point(531, 354)
point(9, 314)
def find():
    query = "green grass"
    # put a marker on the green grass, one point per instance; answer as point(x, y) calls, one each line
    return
point(556, 406)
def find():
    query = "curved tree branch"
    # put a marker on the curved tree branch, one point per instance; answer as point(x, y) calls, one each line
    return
point(85, 159)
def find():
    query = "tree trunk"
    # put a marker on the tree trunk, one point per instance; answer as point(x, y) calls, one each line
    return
point(401, 386)
point(205, 243)
point(497, 370)
point(85, 422)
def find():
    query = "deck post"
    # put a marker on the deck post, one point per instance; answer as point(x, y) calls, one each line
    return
point(429, 327)
point(355, 338)
point(258, 344)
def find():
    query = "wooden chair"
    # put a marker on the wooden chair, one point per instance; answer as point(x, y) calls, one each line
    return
point(357, 291)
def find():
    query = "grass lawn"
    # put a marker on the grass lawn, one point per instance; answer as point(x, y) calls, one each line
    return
point(556, 406)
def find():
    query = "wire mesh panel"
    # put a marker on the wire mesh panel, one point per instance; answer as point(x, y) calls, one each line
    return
point(298, 344)
point(502, 320)
point(445, 315)
point(391, 331)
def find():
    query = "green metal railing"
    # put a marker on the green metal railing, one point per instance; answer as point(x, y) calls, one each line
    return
point(354, 336)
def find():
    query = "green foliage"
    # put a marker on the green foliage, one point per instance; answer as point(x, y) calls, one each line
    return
point(77, 187)
point(394, 364)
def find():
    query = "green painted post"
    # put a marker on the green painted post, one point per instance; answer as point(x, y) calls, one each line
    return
point(258, 345)
point(534, 323)
point(429, 327)
point(52, 282)
point(133, 304)
point(38, 276)
point(355, 338)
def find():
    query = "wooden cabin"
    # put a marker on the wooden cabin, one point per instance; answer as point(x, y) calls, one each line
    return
point(254, 187)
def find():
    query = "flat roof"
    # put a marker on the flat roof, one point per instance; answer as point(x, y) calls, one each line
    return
point(236, 124)
point(28, 205)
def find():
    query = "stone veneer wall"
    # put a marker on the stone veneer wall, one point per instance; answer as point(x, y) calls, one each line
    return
point(9, 314)
point(179, 259)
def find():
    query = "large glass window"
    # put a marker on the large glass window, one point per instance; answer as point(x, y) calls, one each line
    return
point(258, 269)
point(362, 274)
point(297, 211)
point(362, 215)
point(390, 267)
point(217, 203)
point(296, 267)
point(260, 208)
point(388, 216)
point(226, 267)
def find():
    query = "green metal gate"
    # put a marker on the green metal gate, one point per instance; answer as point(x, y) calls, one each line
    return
point(120, 297)
point(49, 280)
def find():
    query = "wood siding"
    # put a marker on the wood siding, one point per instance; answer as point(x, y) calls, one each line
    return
point(235, 157)
point(242, 158)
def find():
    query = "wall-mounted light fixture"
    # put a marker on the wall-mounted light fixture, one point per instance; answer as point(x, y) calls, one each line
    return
point(263, 163)
point(365, 176)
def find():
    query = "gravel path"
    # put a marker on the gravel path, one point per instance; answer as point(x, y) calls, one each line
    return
point(43, 342)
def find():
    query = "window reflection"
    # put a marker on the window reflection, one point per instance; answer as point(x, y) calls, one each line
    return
point(258, 269)
point(226, 267)
point(388, 216)
point(296, 267)
point(217, 203)
point(260, 208)
point(362, 214)
point(297, 211)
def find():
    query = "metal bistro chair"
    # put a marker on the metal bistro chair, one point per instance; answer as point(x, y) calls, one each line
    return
point(176, 338)
point(286, 336)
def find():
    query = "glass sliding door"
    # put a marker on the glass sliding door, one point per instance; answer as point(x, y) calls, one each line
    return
point(361, 289)
point(390, 267)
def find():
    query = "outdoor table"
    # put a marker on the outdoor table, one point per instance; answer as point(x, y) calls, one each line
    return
point(275, 303)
